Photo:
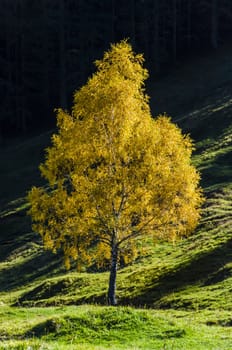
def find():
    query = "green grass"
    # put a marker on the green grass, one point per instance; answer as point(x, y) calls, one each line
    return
point(176, 297)
point(95, 327)
point(19, 168)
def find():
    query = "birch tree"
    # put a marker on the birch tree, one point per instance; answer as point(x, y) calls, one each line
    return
point(116, 175)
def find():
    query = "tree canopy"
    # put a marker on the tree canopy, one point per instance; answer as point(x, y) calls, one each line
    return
point(115, 174)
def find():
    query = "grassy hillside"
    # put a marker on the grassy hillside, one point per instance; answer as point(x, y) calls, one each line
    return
point(189, 285)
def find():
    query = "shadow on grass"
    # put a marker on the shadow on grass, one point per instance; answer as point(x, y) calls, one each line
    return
point(42, 263)
point(21, 253)
point(204, 268)
point(15, 230)
point(210, 116)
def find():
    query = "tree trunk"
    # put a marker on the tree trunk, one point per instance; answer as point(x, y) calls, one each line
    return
point(113, 273)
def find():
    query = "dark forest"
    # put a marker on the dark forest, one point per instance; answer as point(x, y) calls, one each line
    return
point(47, 47)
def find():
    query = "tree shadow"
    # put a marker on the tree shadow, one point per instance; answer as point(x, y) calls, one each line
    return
point(206, 268)
point(22, 253)
point(43, 263)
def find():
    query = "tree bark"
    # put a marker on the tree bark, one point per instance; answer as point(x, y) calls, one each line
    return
point(113, 274)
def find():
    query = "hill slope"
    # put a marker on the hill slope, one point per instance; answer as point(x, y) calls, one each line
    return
point(194, 274)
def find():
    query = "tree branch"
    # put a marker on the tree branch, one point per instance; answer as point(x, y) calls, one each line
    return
point(136, 233)
point(99, 217)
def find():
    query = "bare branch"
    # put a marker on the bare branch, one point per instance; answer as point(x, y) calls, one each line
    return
point(123, 199)
point(105, 240)
point(102, 221)
point(136, 233)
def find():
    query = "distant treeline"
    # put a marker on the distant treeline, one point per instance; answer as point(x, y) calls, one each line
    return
point(47, 47)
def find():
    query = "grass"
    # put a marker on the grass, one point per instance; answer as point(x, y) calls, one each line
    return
point(177, 297)
point(95, 327)
point(19, 168)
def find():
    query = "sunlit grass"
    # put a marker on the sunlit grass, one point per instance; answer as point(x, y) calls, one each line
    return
point(95, 327)
point(179, 295)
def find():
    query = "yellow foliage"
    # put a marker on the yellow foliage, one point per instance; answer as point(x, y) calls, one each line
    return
point(115, 173)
